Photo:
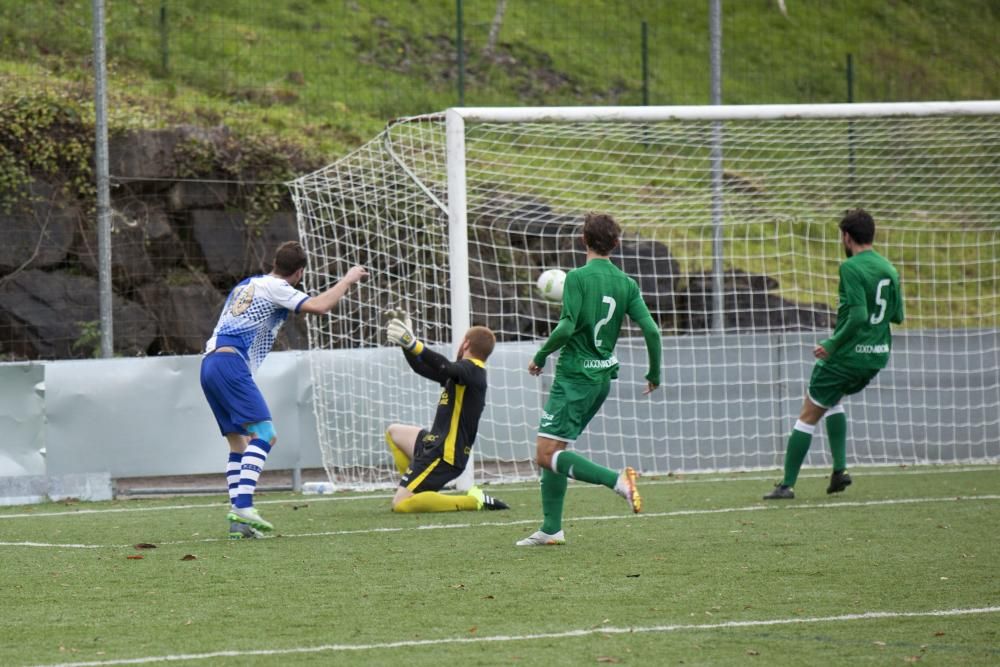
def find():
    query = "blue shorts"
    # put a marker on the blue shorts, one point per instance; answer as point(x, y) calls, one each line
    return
point(231, 392)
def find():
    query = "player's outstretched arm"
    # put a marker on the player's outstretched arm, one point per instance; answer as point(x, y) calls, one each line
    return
point(654, 350)
point(324, 302)
point(897, 316)
point(422, 359)
point(572, 301)
point(856, 316)
point(639, 313)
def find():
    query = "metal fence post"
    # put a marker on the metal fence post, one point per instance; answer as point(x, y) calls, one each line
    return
point(718, 298)
point(645, 64)
point(103, 192)
point(460, 45)
point(164, 44)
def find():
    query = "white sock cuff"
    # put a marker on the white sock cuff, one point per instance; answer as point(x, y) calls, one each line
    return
point(838, 409)
point(552, 462)
point(804, 427)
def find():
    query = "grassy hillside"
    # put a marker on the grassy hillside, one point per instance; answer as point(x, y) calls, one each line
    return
point(329, 73)
point(309, 80)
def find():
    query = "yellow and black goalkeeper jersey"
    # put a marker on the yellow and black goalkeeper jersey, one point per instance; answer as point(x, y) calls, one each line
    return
point(460, 406)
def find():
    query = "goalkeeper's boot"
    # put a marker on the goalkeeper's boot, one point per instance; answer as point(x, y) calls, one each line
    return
point(540, 539)
point(781, 492)
point(839, 481)
point(625, 487)
point(250, 517)
point(485, 502)
point(243, 531)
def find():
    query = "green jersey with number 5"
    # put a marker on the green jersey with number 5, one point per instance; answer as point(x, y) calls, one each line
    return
point(596, 298)
point(870, 299)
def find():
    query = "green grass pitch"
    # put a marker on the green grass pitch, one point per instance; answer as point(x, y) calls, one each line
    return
point(904, 567)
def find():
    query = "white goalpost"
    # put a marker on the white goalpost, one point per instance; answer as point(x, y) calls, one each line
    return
point(730, 217)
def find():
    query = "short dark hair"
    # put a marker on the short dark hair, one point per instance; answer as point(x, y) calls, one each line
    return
point(600, 232)
point(481, 342)
point(289, 258)
point(859, 225)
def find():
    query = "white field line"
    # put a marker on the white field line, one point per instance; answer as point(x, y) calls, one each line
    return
point(507, 488)
point(565, 634)
point(534, 520)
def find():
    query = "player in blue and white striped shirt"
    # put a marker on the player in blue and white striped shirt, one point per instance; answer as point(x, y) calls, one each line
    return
point(250, 320)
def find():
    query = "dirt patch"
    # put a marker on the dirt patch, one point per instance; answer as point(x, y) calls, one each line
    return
point(529, 72)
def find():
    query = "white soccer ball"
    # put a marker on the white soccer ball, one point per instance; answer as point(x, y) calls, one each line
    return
point(550, 284)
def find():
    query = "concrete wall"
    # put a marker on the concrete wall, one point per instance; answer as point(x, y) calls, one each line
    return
point(721, 406)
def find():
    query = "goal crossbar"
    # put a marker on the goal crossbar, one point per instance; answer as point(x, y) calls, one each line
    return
point(725, 112)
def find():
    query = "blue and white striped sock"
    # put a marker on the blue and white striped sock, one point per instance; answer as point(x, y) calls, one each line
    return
point(233, 474)
point(252, 465)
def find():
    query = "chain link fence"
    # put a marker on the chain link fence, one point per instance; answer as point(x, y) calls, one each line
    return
point(213, 106)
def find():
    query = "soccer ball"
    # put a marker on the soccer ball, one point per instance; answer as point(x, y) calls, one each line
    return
point(550, 284)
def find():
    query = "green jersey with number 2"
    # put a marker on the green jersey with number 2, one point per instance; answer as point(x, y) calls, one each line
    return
point(596, 298)
point(870, 299)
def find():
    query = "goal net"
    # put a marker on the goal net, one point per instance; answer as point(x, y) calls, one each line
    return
point(730, 218)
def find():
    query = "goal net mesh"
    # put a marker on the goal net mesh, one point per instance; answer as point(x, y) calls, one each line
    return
point(730, 394)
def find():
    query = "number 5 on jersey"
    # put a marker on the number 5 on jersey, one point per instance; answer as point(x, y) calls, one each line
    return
point(881, 302)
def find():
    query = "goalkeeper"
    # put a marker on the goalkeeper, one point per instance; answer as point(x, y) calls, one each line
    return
point(428, 459)
point(870, 298)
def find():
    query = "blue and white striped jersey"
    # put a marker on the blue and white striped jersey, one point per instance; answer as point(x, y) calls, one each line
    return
point(252, 316)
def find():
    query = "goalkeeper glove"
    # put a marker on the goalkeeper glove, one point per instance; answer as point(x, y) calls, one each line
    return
point(400, 333)
point(397, 314)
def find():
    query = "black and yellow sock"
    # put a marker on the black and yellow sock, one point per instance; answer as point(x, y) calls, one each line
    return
point(553, 493)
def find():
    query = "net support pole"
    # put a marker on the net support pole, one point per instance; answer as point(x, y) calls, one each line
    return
point(458, 248)
point(718, 302)
point(103, 189)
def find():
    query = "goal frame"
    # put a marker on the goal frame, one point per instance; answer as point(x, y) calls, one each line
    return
point(434, 161)
point(457, 117)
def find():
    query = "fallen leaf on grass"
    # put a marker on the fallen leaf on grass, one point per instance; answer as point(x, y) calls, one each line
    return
point(144, 545)
point(939, 634)
point(473, 629)
point(135, 557)
point(189, 557)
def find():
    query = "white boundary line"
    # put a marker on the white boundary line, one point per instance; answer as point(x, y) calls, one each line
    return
point(534, 520)
point(565, 634)
point(511, 488)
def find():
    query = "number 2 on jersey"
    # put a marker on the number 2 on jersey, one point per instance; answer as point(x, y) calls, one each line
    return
point(597, 327)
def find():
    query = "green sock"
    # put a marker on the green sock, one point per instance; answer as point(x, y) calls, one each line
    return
point(553, 493)
point(836, 431)
point(578, 467)
point(798, 447)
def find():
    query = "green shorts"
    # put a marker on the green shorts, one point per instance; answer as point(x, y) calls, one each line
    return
point(829, 383)
point(570, 408)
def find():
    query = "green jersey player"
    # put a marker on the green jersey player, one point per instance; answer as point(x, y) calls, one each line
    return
point(870, 299)
point(596, 298)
